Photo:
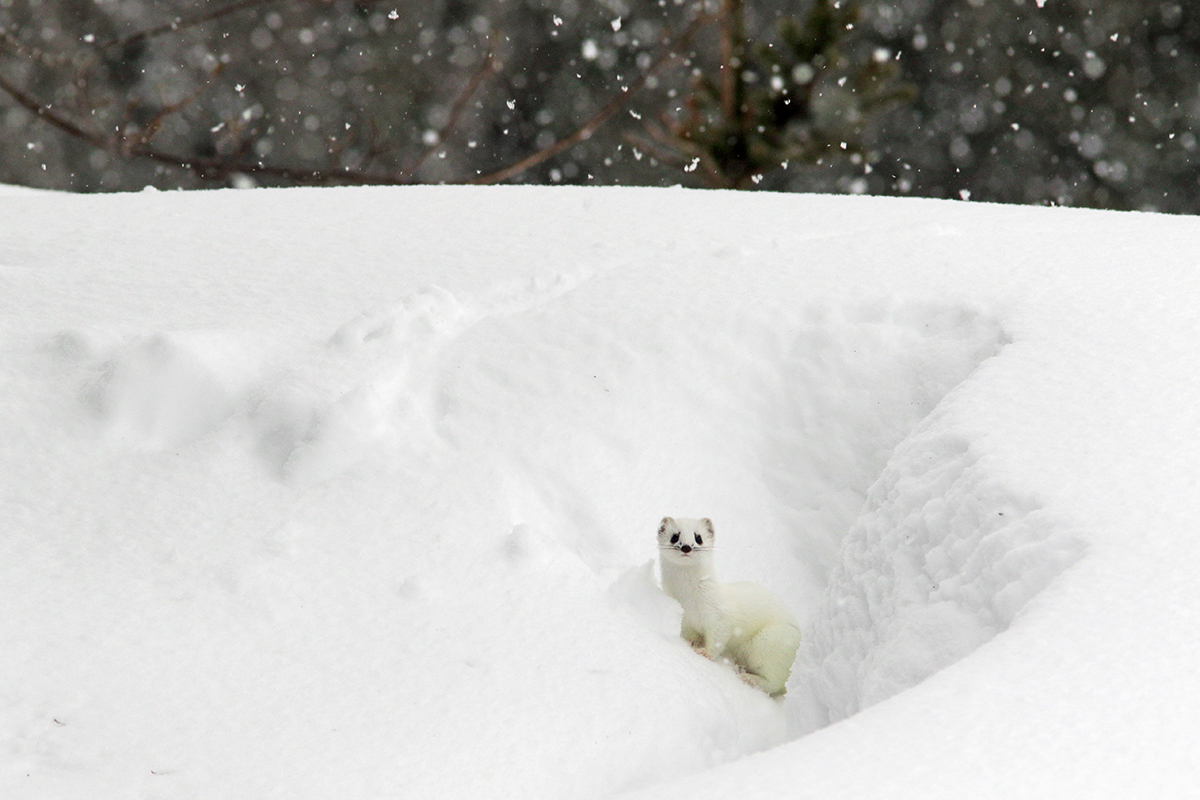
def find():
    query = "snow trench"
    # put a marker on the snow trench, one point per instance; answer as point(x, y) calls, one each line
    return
point(944, 556)
point(823, 441)
point(924, 548)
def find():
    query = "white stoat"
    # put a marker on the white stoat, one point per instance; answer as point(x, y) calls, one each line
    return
point(741, 622)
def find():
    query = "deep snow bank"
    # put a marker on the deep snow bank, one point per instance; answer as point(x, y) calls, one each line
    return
point(943, 557)
point(354, 492)
point(400, 474)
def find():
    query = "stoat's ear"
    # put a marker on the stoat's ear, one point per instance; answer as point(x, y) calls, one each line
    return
point(667, 522)
point(707, 523)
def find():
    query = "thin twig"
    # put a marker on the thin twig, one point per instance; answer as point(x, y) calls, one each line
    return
point(151, 128)
point(47, 113)
point(655, 150)
point(615, 104)
point(8, 37)
point(202, 166)
point(183, 23)
point(485, 70)
point(213, 168)
point(208, 167)
point(732, 46)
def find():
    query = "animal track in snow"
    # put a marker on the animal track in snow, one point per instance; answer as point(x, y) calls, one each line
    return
point(375, 385)
point(382, 381)
point(166, 389)
point(378, 377)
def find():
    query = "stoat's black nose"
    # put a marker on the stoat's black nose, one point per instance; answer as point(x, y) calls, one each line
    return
point(687, 548)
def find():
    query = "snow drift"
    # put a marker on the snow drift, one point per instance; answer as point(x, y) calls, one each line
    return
point(353, 493)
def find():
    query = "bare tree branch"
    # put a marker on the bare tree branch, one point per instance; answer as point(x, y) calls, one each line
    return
point(667, 155)
point(733, 45)
point(218, 167)
point(183, 23)
point(14, 42)
point(618, 101)
point(47, 113)
point(485, 70)
point(215, 167)
point(205, 167)
point(147, 132)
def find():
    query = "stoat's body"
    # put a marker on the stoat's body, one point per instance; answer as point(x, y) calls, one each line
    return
point(741, 622)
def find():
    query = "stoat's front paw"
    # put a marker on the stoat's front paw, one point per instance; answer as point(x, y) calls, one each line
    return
point(701, 650)
point(754, 681)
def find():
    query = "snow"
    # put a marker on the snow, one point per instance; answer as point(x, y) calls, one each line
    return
point(353, 493)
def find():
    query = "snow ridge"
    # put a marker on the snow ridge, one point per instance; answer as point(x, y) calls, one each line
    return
point(944, 557)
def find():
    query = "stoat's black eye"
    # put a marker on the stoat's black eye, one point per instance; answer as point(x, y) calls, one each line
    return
point(698, 539)
point(675, 539)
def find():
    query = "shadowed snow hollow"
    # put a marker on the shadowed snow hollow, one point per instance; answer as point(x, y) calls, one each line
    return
point(939, 553)
point(943, 557)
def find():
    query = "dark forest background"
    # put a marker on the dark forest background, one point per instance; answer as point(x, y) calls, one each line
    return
point(1071, 102)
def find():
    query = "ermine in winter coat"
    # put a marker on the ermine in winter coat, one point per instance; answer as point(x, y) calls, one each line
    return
point(739, 622)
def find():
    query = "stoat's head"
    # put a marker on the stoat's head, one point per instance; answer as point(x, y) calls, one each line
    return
point(685, 541)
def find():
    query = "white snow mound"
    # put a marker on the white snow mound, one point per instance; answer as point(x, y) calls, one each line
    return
point(353, 493)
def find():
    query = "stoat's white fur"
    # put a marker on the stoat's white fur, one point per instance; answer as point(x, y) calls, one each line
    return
point(741, 622)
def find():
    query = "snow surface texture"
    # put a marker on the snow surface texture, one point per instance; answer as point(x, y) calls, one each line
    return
point(353, 493)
